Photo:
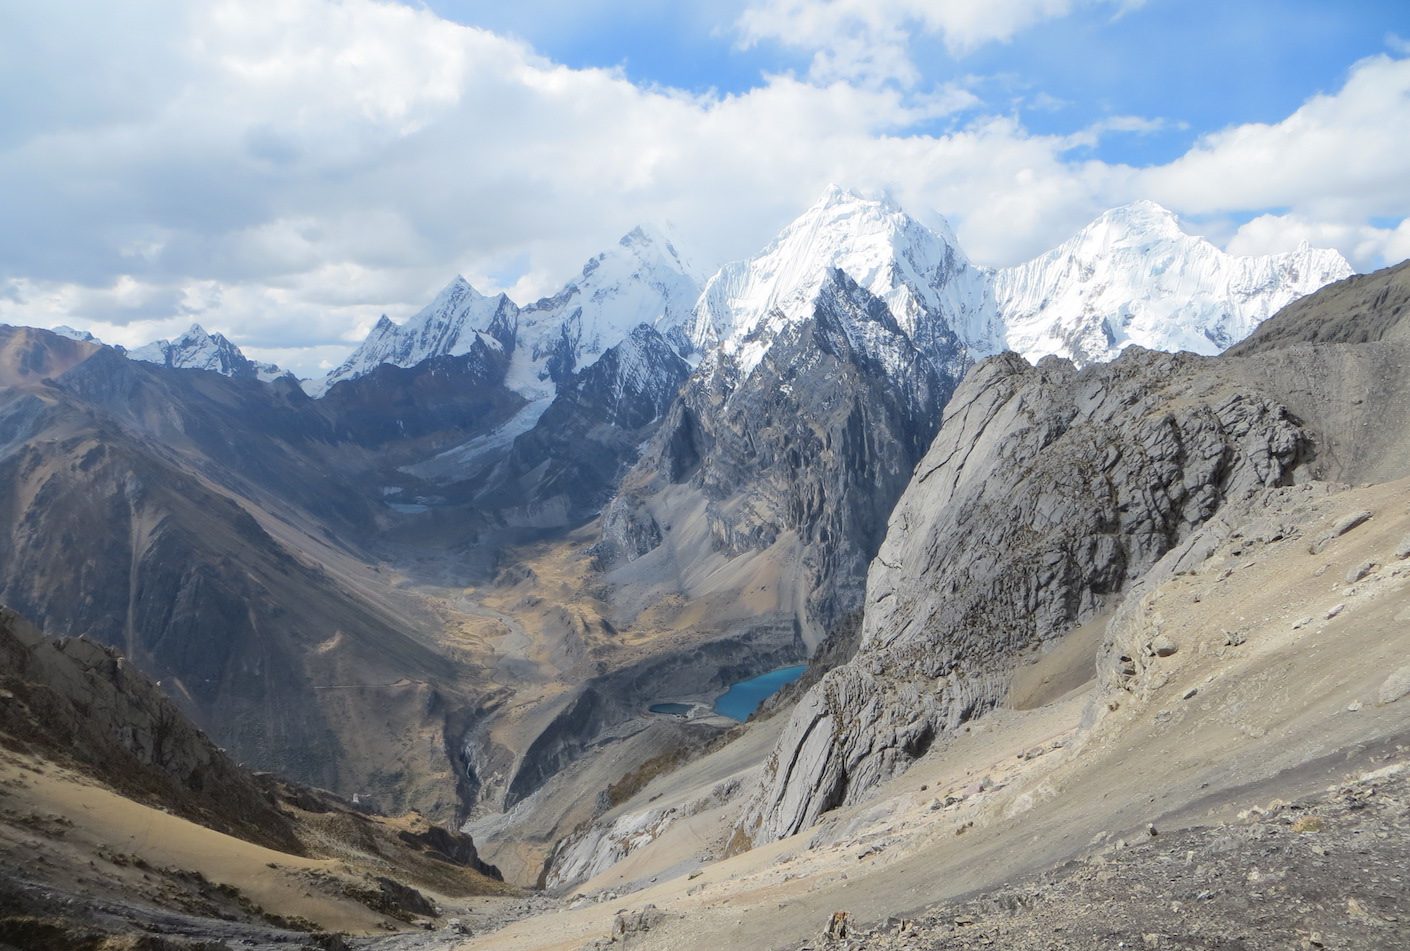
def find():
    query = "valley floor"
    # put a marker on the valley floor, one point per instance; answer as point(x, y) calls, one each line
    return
point(1284, 684)
point(1288, 682)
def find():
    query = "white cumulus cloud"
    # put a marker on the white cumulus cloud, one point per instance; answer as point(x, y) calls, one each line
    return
point(287, 173)
point(870, 40)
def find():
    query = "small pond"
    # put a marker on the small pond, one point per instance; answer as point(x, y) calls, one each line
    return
point(675, 709)
point(744, 697)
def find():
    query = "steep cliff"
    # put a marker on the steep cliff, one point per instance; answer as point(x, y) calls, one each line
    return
point(812, 445)
point(1046, 493)
point(1050, 491)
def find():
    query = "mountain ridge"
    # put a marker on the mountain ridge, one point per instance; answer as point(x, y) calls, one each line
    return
point(1130, 276)
point(195, 349)
point(1133, 276)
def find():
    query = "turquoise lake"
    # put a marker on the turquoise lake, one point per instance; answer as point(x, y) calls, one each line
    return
point(743, 698)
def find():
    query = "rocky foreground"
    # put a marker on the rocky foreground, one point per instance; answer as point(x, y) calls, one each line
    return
point(1332, 871)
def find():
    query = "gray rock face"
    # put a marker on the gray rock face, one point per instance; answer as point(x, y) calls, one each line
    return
point(1046, 493)
point(1130, 658)
point(84, 705)
point(818, 440)
point(1396, 686)
point(129, 491)
point(573, 457)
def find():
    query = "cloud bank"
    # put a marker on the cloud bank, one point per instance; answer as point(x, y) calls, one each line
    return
point(286, 173)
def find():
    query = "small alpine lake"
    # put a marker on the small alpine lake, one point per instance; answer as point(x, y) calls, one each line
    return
point(744, 697)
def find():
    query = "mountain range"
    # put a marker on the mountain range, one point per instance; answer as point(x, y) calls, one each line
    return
point(1132, 276)
point(735, 448)
point(496, 565)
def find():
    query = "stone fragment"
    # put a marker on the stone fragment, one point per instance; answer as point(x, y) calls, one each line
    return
point(1164, 646)
point(1396, 686)
point(1343, 525)
point(1347, 522)
point(626, 923)
point(1360, 571)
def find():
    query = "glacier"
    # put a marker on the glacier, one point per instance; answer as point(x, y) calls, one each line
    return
point(1133, 276)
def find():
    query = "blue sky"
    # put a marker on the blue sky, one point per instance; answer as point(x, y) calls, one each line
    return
point(1200, 65)
point(286, 173)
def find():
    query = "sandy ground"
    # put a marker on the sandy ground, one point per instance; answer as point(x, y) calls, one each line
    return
point(1328, 871)
point(56, 822)
point(1292, 707)
point(68, 842)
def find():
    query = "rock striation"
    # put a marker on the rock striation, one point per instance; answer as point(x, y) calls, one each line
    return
point(814, 444)
point(1047, 492)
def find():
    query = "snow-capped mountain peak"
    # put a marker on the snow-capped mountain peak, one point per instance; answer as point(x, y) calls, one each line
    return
point(642, 279)
point(83, 336)
point(917, 269)
point(1134, 222)
point(1134, 276)
point(450, 325)
point(197, 350)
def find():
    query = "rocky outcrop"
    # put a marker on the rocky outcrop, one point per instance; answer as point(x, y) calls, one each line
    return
point(572, 458)
point(591, 851)
point(817, 440)
point(83, 705)
point(1047, 492)
point(455, 848)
